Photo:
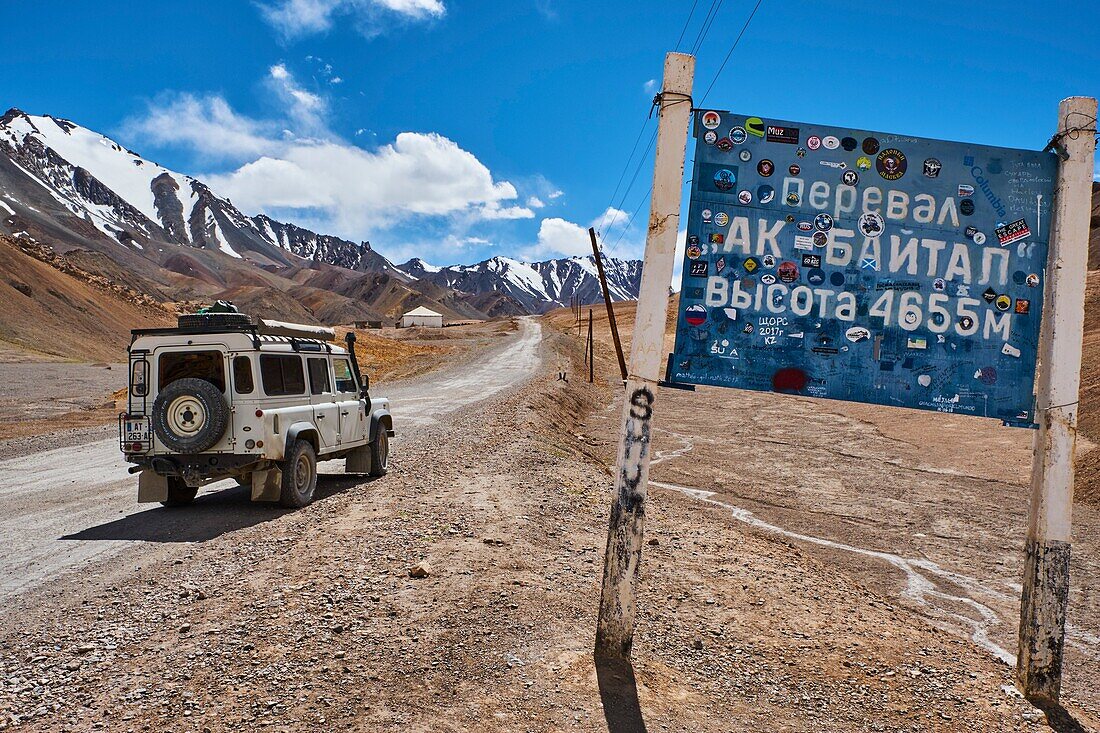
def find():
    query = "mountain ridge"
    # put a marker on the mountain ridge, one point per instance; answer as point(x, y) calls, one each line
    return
point(538, 286)
point(166, 234)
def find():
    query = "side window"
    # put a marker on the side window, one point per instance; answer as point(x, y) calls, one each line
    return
point(345, 382)
point(205, 365)
point(242, 375)
point(282, 375)
point(318, 376)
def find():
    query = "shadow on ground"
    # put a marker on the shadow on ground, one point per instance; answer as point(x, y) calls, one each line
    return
point(213, 513)
point(619, 694)
point(1058, 718)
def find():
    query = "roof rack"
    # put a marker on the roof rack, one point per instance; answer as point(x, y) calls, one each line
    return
point(296, 334)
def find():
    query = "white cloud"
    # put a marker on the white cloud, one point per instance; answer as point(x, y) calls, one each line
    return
point(611, 219)
point(294, 18)
point(418, 174)
point(534, 202)
point(559, 236)
point(206, 124)
point(650, 87)
point(297, 167)
point(304, 107)
point(438, 250)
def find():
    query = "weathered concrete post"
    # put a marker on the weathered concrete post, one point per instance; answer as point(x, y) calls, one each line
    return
point(615, 626)
point(1046, 566)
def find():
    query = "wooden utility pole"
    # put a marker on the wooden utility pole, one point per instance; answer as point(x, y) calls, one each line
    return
point(1046, 565)
point(591, 351)
point(615, 625)
point(607, 301)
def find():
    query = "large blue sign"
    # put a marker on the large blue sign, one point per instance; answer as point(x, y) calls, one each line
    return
point(864, 266)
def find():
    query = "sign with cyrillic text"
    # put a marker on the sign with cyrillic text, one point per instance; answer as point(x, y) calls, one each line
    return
point(864, 266)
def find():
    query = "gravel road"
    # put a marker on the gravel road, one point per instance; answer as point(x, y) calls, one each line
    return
point(62, 508)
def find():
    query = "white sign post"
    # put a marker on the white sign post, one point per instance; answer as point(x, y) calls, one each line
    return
point(1046, 568)
point(615, 626)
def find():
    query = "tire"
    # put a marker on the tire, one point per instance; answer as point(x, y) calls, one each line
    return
point(380, 453)
point(213, 320)
point(299, 476)
point(190, 415)
point(179, 493)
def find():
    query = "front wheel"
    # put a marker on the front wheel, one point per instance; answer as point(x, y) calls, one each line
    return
point(380, 453)
point(299, 475)
point(179, 493)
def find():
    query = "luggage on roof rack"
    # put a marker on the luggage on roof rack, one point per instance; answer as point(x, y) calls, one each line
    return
point(294, 330)
point(213, 320)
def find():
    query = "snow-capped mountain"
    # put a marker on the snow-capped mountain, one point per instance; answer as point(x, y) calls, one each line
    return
point(169, 236)
point(135, 202)
point(538, 286)
point(418, 268)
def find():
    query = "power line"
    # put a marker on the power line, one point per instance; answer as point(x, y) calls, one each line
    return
point(645, 123)
point(622, 175)
point(631, 219)
point(637, 169)
point(730, 52)
point(700, 38)
point(686, 24)
point(704, 29)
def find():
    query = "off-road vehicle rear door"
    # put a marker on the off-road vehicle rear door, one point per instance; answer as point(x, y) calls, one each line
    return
point(180, 417)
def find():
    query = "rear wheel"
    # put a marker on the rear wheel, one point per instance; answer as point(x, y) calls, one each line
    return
point(299, 475)
point(179, 493)
point(380, 453)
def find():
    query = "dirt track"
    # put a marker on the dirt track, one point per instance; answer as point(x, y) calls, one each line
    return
point(310, 621)
point(61, 508)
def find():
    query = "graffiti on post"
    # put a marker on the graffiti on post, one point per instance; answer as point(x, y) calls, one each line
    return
point(635, 447)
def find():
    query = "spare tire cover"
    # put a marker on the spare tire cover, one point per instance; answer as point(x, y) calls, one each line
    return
point(190, 415)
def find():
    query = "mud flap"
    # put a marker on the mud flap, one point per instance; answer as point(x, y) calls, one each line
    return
point(358, 460)
point(267, 484)
point(152, 487)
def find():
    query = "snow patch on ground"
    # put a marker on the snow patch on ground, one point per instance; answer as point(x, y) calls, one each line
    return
point(216, 232)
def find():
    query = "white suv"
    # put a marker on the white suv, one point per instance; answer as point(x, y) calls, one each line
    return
point(225, 396)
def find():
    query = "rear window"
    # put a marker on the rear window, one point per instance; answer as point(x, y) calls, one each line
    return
point(318, 376)
point(206, 365)
point(242, 375)
point(282, 375)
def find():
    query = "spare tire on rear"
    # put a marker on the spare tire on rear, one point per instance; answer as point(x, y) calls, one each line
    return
point(190, 415)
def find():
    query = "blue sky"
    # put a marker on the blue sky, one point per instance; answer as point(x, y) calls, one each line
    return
point(456, 130)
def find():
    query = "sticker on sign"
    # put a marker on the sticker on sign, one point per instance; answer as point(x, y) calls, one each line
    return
point(1013, 232)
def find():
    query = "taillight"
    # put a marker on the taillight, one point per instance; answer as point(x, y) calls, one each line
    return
point(259, 413)
point(135, 447)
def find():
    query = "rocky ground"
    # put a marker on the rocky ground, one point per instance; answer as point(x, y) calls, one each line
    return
point(459, 593)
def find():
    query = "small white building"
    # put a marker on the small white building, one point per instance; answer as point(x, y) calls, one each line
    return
point(422, 317)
